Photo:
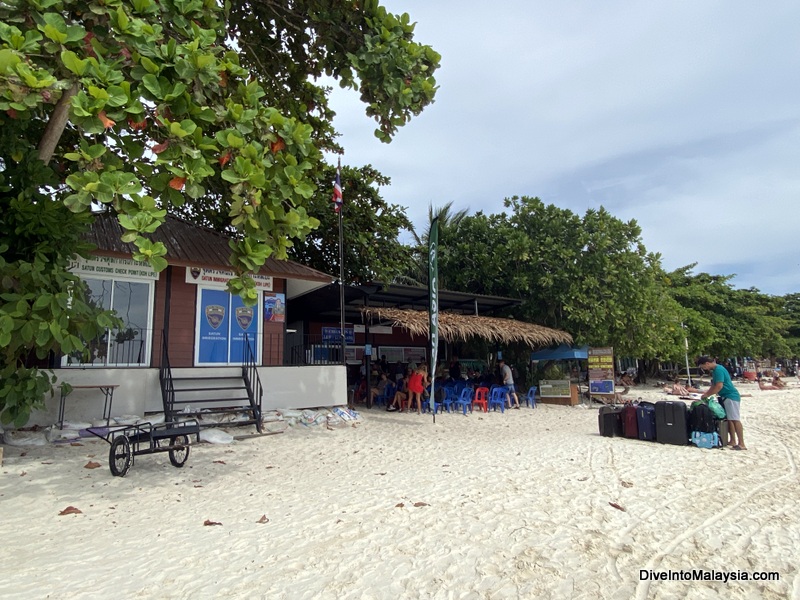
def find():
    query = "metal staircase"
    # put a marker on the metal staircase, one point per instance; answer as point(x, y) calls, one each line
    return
point(202, 392)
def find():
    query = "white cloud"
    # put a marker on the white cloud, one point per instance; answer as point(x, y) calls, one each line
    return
point(652, 109)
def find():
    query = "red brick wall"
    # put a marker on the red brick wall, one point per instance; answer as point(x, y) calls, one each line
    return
point(273, 340)
point(182, 319)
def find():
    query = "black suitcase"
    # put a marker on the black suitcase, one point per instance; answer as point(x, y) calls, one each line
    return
point(646, 421)
point(610, 421)
point(672, 425)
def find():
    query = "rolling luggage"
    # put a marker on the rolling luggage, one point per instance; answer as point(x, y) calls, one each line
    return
point(610, 421)
point(630, 428)
point(646, 421)
point(671, 423)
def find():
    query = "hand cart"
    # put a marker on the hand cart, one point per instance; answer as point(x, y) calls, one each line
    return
point(146, 438)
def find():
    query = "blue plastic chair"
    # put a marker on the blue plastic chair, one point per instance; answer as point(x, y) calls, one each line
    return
point(497, 397)
point(530, 399)
point(450, 398)
point(426, 405)
point(465, 399)
point(387, 395)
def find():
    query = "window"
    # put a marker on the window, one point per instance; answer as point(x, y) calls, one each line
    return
point(130, 344)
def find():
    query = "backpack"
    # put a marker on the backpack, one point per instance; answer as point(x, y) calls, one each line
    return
point(702, 420)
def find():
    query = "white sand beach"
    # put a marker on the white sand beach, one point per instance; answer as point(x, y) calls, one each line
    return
point(514, 505)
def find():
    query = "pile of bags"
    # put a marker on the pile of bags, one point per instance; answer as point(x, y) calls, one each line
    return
point(667, 422)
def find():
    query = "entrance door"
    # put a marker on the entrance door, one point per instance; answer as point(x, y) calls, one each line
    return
point(223, 323)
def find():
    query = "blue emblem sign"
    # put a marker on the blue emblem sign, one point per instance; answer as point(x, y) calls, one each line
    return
point(213, 326)
point(244, 331)
point(215, 315)
point(244, 317)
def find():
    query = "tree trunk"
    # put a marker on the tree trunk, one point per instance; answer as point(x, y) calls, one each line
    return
point(56, 124)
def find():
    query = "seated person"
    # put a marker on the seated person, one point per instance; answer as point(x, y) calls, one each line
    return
point(380, 388)
point(360, 393)
point(626, 380)
point(401, 395)
point(778, 382)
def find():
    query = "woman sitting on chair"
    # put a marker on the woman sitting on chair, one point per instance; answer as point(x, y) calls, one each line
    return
point(401, 395)
point(380, 388)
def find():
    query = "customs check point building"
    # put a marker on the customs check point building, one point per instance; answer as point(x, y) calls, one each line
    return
point(186, 314)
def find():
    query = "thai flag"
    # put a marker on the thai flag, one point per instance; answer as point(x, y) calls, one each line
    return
point(337, 190)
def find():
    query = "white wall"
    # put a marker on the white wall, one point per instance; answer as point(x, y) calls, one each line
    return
point(139, 391)
point(303, 387)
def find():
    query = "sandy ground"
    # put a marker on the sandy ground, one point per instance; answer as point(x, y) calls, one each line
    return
point(514, 505)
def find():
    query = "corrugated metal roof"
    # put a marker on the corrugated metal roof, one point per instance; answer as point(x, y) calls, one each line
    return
point(323, 303)
point(189, 245)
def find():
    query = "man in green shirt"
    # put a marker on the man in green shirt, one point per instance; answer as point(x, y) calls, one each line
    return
point(722, 386)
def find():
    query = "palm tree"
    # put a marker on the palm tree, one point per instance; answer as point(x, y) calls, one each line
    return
point(449, 221)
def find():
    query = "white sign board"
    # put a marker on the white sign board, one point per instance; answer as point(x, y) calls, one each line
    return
point(106, 267)
point(219, 277)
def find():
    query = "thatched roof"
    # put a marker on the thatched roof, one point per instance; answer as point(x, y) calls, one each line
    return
point(454, 327)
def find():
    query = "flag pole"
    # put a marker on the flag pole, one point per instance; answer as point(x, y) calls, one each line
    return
point(340, 208)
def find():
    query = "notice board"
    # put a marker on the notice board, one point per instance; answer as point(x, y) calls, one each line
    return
point(601, 371)
point(558, 391)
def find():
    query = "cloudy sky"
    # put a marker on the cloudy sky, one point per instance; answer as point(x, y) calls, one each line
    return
point(682, 115)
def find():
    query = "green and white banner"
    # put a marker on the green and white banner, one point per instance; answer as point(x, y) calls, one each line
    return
point(433, 306)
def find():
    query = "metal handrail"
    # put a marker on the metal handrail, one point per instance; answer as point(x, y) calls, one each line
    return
point(165, 379)
point(255, 390)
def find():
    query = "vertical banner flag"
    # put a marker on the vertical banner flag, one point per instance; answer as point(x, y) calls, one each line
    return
point(337, 189)
point(337, 207)
point(433, 307)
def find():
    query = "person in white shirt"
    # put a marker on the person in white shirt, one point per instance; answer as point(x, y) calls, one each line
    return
point(508, 382)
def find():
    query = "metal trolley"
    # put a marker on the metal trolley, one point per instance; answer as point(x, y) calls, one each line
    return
point(146, 438)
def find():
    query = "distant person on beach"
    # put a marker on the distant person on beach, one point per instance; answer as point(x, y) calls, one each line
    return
point(777, 384)
point(508, 382)
point(416, 385)
point(455, 369)
point(678, 389)
point(722, 386)
point(399, 371)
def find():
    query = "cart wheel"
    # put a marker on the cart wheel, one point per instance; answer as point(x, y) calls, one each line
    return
point(180, 453)
point(120, 458)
